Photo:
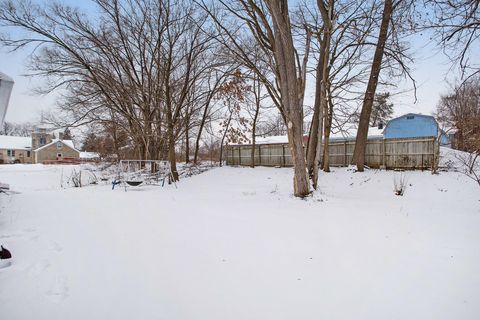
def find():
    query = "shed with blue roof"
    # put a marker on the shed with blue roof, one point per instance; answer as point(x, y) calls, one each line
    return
point(412, 125)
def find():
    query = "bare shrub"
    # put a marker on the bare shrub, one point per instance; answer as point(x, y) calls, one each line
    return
point(75, 178)
point(399, 184)
point(470, 165)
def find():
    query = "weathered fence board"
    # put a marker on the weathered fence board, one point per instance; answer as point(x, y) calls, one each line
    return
point(411, 153)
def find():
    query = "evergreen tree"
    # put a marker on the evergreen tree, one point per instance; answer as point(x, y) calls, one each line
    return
point(382, 110)
point(67, 134)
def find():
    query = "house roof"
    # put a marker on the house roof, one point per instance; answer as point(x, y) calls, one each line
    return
point(89, 155)
point(271, 140)
point(68, 143)
point(412, 114)
point(13, 142)
point(351, 133)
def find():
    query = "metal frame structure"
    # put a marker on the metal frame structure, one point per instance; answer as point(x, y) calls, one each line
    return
point(151, 172)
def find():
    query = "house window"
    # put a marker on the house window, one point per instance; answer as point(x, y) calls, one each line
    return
point(11, 153)
point(410, 117)
point(59, 145)
point(42, 141)
point(59, 155)
point(28, 154)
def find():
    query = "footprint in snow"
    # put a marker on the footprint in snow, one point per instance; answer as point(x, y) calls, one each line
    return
point(59, 290)
point(7, 236)
point(56, 247)
point(37, 268)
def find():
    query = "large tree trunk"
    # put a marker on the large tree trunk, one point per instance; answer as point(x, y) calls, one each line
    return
point(326, 151)
point(284, 52)
point(362, 133)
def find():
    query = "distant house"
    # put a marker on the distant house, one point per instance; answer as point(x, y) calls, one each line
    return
point(42, 146)
point(15, 149)
point(412, 125)
point(56, 150)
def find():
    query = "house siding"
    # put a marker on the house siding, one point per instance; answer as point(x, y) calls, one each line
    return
point(39, 139)
point(20, 156)
point(49, 153)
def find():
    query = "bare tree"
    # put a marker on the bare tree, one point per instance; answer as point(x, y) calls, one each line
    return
point(268, 23)
point(351, 25)
point(233, 95)
point(456, 27)
point(321, 99)
point(460, 110)
point(17, 129)
point(382, 110)
point(253, 109)
point(213, 82)
point(139, 69)
point(361, 140)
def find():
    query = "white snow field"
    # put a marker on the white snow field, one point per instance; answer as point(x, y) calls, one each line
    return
point(232, 243)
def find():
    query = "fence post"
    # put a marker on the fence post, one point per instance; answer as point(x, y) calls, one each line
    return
point(422, 164)
point(259, 155)
point(239, 156)
point(434, 163)
point(384, 154)
point(345, 158)
point(283, 155)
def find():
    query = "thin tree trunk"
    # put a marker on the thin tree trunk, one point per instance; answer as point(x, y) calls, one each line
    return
point(253, 149)
point(257, 93)
point(187, 141)
point(362, 133)
point(327, 34)
point(171, 153)
point(200, 130)
point(223, 139)
point(254, 129)
point(316, 118)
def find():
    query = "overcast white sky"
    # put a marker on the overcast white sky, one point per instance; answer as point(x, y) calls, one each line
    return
point(431, 70)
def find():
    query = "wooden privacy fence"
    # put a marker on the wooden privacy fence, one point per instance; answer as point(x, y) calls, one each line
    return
point(404, 153)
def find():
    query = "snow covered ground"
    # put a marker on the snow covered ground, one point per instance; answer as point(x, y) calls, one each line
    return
point(232, 243)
